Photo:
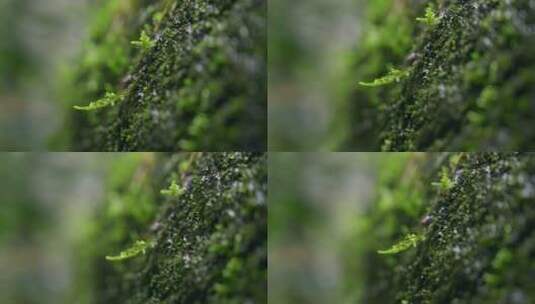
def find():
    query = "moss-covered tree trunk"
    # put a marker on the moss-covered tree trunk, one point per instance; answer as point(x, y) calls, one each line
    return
point(199, 221)
point(469, 83)
point(171, 75)
point(473, 215)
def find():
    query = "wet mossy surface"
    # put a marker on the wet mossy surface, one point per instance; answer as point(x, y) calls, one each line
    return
point(190, 76)
point(474, 214)
point(470, 83)
point(204, 244)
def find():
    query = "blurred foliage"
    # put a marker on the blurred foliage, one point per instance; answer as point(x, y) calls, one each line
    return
point(16, 65)
point(29, 227)
point(34, 37)
point(286, 50)
point(315, 241)
point(288, 215)
point(291, 217)
point(306, 44)
point(21, 217)
point(15, 60)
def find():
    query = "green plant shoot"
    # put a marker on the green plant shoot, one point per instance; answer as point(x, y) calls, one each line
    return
point(140, 247)
point(394, 75)
point(109, 100)
point(411, 240)
point(173, 190)
point(144, 41)
point(445, 182)
point(430, 18)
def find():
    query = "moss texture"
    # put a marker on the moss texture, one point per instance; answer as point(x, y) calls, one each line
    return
point(207, 241)
point(189, 76)
point(475, 215)
point(470, 85)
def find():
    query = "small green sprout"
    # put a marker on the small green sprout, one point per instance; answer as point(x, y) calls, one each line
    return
point(144, 41)
point(411, 240)
point(430, 18)
point(140, 247)
point(110, 99)
point(445, 182)
point(394, 75)
point(173, 190)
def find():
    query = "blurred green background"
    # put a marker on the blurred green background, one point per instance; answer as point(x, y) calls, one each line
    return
point(37, 38)
point(318, 210)
point(309, 46)
point(48, 203)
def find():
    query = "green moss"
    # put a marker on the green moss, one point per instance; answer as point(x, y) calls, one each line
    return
point(477, 240)
point(193, 75)
point(207, 245)
point(471, 80)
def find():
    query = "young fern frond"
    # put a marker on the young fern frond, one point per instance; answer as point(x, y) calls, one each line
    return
point(109, 100)
point(173, 190)
point(430, 18)
point(394, 75)
point(411, 240)
point(445, 182)
point(139, 247)
point(144, 41)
